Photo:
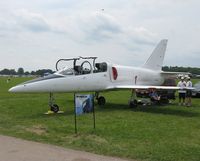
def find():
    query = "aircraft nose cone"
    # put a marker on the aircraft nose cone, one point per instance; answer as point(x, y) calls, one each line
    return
point(15, 89)
point(11, 89)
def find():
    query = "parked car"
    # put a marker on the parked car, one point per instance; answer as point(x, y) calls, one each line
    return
point(196, 91)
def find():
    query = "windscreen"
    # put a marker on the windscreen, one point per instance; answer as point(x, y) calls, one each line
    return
point(68, 71)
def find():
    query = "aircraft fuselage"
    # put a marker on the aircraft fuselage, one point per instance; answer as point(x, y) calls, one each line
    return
point(113, 76)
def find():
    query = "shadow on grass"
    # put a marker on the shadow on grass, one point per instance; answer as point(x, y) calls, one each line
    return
point(168, 111)
point(110, 107)
point(158, 109)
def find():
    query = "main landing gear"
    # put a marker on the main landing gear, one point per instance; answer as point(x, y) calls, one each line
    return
point(53, 107)
point(133, 101)
point(100, 99)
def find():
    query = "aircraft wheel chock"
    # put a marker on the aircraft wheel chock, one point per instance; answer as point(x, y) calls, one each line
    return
point(55, 108)
point(101, 101)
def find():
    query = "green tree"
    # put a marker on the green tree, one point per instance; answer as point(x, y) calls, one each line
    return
point(13, 72)
point(5, 72)
point(20, 71)
point(26, 73)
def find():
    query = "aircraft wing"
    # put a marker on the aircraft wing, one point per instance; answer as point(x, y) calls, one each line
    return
point(148, 87)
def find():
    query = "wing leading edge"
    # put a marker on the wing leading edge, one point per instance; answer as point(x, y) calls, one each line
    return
point(147, 87)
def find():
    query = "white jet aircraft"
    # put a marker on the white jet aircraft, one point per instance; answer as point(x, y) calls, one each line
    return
point(97, 77)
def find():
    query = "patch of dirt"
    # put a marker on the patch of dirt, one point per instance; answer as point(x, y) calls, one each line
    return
point(93, 138)
point(81, 159)
point(37, 129)
point(97, 139)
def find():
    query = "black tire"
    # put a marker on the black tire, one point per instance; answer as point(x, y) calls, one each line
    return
point(133, 103)
point(55, 108)
point(101, 101)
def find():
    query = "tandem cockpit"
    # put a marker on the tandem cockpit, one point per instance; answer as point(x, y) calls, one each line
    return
point(81, 66)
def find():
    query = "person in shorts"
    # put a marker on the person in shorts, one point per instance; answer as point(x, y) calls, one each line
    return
point(189, 92)
point(182, 91)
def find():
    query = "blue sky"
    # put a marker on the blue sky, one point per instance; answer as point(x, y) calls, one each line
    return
point(35, 34)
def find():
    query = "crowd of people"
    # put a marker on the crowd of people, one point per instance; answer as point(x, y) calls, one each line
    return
point(184, 92)
point(185, 95)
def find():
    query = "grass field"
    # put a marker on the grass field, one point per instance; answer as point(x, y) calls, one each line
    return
point(167, 133)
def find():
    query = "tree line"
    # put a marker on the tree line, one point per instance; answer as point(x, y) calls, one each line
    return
point(21, 71)
point(192, 70)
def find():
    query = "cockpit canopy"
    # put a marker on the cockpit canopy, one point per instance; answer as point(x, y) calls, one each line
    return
point(66, 71)
point(82, 65)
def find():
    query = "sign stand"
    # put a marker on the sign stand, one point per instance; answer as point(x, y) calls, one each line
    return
point(94, 121)
point(75, 114)
point(76, 110)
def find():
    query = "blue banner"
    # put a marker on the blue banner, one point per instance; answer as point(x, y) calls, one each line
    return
point(83, 103)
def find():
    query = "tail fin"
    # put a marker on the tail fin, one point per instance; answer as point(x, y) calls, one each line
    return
point(155, 61)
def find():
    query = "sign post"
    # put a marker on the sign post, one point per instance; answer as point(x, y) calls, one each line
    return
point(83, 103)
point(94, 122)
point(75, 113)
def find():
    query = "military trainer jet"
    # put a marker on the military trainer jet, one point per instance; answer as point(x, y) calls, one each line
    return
point(86, 74)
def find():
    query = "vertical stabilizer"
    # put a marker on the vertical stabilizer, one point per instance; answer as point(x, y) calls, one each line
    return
point(155, 61)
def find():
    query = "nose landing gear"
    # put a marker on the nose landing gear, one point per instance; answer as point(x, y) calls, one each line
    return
point(53, 107)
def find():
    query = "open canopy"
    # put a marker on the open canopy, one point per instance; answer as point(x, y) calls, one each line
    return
point(81, 65)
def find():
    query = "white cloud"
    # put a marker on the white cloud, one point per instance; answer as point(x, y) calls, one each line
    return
point(52, 29)
point(97, 27)
point(31, 21)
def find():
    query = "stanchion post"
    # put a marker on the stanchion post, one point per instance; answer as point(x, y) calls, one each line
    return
point(75, 122)
point(94, 117)
point(93, 112)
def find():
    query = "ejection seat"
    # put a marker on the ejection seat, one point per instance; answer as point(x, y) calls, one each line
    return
point(101, 67)
point(78, 70)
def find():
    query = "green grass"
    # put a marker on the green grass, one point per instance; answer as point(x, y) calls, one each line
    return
point(167, 133)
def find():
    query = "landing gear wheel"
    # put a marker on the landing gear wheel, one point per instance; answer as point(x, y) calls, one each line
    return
point(101, 101)
point(55, 108)
point(133, 103)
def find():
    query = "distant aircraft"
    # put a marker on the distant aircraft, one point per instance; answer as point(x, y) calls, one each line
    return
point(87, 75)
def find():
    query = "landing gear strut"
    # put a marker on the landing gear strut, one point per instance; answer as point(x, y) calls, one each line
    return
point(100, 99)
point(133, 101)
point(53, 107)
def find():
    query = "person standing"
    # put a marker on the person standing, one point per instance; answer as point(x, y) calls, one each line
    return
point(182, 91)
point(189, 92)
